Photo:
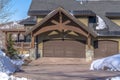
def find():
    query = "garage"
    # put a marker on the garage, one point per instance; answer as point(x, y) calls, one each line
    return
point(64, 48)
point(105, 48)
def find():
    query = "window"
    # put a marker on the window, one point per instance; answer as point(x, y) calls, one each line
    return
point(28, 38)
point(92, 19)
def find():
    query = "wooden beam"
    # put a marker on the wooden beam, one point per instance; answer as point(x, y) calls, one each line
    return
point(55, 22)
point(75, 29)
point(18, 37)
point(60, 17)
point(64, 27)
point(22, 47)
point(67, 22)
point(45, 29)
point(33, 41)
point(5, 40)
point(67, 32)
point(14, 30)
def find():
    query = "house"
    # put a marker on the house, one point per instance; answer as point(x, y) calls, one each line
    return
point(7, 26)
point(72, 29)
point(16, 30)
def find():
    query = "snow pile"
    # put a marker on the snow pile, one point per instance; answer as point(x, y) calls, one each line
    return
point(2, 53)
point(111, 63)
point(24, 56)
point(7, 65)
point(114, 78)
point(101, 24)
point(4, 76)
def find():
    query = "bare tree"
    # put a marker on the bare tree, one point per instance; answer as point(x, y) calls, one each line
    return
point(5, 6)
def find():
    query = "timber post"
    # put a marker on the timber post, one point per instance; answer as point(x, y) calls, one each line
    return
point(6, 40)
point(33, 41)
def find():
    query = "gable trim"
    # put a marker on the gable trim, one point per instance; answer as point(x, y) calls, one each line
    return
point(51, 14)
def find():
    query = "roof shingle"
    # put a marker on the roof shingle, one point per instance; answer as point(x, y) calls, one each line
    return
point(98, 7)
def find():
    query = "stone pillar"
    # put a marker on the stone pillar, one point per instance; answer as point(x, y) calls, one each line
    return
point(89, 49)
point(89, 53)
point(32, 53)
point(41, 50)
point(35, 48)
point(36, 51)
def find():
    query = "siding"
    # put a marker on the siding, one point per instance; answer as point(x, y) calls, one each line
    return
point(84, 20)
point(116, 21)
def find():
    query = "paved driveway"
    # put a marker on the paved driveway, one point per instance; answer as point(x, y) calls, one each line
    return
point(63, 72)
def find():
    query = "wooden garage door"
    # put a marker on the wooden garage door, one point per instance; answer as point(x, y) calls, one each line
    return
point(64, 49)
point(105, 48)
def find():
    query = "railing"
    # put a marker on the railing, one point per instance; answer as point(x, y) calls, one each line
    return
point(22, 45)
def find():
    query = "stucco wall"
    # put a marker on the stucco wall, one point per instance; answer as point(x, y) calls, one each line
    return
point(39, 19)
point(116, 21)
point(84, 20)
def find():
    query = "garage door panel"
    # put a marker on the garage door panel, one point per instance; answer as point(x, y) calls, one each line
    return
point(49, 53)
point(59, 52)
point(106, 48)
point(65, 48)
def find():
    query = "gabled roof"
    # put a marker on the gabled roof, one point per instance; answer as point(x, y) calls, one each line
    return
point(49, 5)
point(104, 8)
point(30, 20)
point(76, 13)
point(115, 15)
point(54, 12)
point(113, 29)
point(101, 6)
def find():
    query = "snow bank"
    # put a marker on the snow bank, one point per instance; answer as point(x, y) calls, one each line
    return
point(4, 76)
point(111, 63)
point(2, 53)
point(7, 65)
point(115, 78)
point(96, 65)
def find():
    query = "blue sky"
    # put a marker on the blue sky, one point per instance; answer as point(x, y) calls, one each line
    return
point(20, 9)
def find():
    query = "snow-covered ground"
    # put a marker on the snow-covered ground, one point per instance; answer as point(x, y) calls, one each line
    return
point(4, 76)
point(111, 63)
point(114, 78)
point(8, 67)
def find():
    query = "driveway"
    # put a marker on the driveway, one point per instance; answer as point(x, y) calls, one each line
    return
point(63, 72)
